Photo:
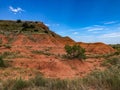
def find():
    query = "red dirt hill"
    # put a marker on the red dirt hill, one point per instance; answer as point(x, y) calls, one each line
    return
point(97, 48)
point(36, 47)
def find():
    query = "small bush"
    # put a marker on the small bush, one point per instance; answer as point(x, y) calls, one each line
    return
point(75, 51)
point(20, 84)
point(25, 25)
point(36, 30)
point(39, 81)
point(46, 31)
point(60, 84)
point(18, 21)
point(31, 26)
point(36, 21)
point(2, 64)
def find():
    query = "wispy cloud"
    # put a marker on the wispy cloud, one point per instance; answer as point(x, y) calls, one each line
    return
point(114, 34)
point(15, 10)
point(75, 33)
point(94, 28)
point(110, 22)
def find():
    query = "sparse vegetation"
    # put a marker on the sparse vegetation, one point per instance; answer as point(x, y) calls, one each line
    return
point(41, 52)
point(2, 63)
point(75, 51)
point(117, 48)
point(7, 46)
point(8, 27)
point(115, 60)
point(25, 25)
point(20, 84)
point(39, 81)
point(8, 54)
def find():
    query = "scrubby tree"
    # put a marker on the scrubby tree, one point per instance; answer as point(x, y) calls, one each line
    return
point(25, 25)
point(18, 21)
point(75, 51)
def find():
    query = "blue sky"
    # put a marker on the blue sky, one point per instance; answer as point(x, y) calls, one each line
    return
point(82, 20)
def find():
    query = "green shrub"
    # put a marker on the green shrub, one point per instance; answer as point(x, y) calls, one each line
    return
point(2, 64)
point(75, 51)
point(25, 25)
point(20, 84)
point(60, 84)
point(39, 81)
point(18, 21)
point(31, 26)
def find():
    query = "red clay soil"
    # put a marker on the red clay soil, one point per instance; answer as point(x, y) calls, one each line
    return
point(54, 68)
point(52, 65)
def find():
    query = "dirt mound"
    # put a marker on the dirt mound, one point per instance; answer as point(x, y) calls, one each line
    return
point(97, 48)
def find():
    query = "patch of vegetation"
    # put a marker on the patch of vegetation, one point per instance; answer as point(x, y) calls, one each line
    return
point(75, 51)
point(2, 63)
point(25, 25)
point(32, 38)
point(1, 41)
point(117, 48)
point(112, 61)
point(39, 81)
point(8, 54)
point(7, 46)
point(106, 80)
point(20, 84)
point(41, 52)
point(18, 21)
point(8, 27)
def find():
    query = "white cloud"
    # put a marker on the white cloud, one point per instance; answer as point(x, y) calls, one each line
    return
point(94, 28)
point(48, 25)
point(75, 33)
point(15, 10)
point(114, 34)
point(111, 22)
